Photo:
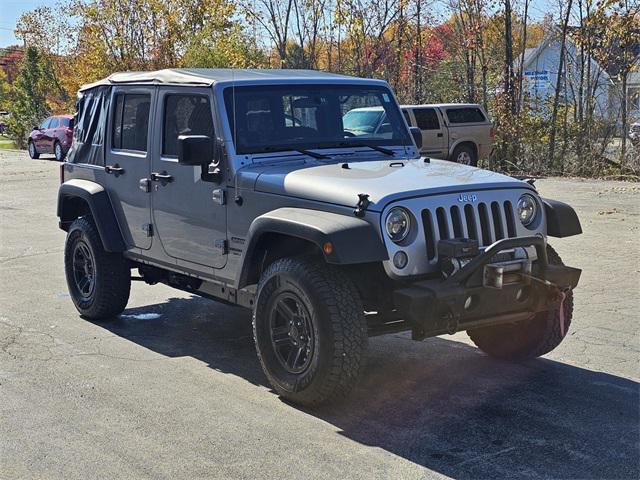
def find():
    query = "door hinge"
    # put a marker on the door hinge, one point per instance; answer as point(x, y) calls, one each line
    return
point(222, 245)
point(148, 228)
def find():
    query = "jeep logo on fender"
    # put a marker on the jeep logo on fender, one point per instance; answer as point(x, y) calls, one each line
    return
point(467, 197)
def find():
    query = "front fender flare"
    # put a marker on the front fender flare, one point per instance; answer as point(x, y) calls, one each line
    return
point(95, 196)
point(354, 240)
point(562, 219)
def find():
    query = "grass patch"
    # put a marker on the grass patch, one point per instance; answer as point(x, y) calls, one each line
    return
point(6, 142)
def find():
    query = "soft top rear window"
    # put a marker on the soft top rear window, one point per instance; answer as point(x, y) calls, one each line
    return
point(465, 115)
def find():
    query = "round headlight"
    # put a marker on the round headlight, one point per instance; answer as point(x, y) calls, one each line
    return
point(527, 209)
point(398, 224)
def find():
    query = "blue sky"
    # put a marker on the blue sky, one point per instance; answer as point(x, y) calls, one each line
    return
point(10, 11)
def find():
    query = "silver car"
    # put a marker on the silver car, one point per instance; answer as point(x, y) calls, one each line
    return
point(255, 188)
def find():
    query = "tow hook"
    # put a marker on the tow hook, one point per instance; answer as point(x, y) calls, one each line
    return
point(361, 206)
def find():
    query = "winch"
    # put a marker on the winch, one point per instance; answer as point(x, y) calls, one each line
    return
point(506, 267)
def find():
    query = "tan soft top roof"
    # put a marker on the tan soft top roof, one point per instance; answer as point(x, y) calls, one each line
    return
point(209, 76)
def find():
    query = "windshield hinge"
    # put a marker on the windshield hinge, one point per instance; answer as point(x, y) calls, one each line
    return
point(361, 206)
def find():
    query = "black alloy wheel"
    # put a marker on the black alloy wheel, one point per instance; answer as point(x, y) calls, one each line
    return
point(292, 333)
point(83, 264)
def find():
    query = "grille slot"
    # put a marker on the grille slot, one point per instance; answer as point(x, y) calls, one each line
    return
point(485, 222)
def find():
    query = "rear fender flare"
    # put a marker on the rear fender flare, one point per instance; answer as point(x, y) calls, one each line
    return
point(99, 205)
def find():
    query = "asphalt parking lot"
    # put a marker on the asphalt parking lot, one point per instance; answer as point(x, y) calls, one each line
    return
point(173, 388)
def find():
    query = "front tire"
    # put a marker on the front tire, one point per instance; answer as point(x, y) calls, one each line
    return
point(99, 282)
point(33, 152)
point(531, 338)
point(309, 330)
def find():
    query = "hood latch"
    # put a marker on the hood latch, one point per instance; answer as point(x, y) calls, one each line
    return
point(361, 206)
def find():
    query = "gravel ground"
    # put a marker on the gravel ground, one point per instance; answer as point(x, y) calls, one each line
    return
point(173, 388)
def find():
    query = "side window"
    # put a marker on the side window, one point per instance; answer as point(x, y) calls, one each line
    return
point(45, 123)
point(185, 115)
point(55, 123)
point(407, 117)
point(131, 122)
point(465, 115)
point(66, 122)
point(427, 119)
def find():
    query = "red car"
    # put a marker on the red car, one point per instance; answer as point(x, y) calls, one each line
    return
point(54, 135)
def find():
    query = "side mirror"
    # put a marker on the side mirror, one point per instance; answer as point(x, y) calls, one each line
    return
point(416, 133)
point(36, 127)
point(195, 150)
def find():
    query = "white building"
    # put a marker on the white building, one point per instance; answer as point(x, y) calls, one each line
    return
point(541, 73)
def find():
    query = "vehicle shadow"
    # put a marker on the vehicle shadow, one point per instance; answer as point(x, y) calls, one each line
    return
point(438, 403)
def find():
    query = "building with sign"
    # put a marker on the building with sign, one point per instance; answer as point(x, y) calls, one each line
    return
point(582, 76)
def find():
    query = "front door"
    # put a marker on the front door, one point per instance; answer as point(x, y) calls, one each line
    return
point(38, 138)
point(189, 213)
point(434, 138)
point(127, 160)
point(49, 135)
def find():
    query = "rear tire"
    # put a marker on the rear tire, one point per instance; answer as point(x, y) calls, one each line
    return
point(465, 155)
point(309, 329)
point(528, 339)
point(58, 152)
point(33, 152)
point(99, 282)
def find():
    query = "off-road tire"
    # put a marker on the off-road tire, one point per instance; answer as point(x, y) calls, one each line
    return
point(33, 151)
point(460, 150)
point(111, 273)
point(58, 151)
point(338, 323)
point(528, 339)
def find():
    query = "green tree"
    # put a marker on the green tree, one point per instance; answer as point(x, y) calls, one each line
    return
point(30, 91)
point(4, 91)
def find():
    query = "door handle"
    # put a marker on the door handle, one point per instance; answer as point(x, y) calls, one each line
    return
point(440, 135)
point(115, 169)
point(163, 177)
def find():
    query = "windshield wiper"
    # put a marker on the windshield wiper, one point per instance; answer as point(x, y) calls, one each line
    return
point(319, 156)
point(377, 148)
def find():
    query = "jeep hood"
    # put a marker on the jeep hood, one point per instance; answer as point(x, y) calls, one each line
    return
point(384, 181)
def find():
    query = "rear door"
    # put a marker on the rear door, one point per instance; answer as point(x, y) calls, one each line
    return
point(189, 213)
point(434, 134)
point(127, 161)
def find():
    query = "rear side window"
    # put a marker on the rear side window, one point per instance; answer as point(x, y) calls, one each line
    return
point(185, 115)
point(465, 115)
point(131, 122)
point(426, 119)
point(407, 117)
point(66, 122)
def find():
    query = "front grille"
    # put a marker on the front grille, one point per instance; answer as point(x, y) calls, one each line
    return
point(485, 222)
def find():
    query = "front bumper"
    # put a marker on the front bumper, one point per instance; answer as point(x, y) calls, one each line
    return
point(464, 301)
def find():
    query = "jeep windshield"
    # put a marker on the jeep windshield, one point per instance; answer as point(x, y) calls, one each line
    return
point(301, 117)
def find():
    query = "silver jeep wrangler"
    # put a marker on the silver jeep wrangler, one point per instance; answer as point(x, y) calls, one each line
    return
point(244, 186)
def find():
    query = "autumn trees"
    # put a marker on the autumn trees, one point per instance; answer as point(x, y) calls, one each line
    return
point(29, 102)
point(428, 50)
